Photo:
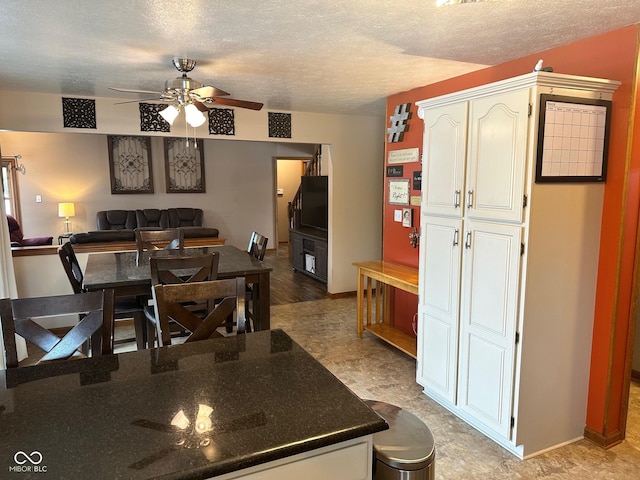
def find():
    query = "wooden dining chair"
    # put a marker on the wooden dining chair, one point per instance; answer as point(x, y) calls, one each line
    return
point(126, 307)
point(228, 296)
point(257, 248)
point(94, 309)
point(167, 239)
point(178, 269)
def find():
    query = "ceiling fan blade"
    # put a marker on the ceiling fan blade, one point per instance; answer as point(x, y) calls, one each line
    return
point(201, 106)
point(142, 100)
point(129, 90)
point(207, 91)
point(232, 102)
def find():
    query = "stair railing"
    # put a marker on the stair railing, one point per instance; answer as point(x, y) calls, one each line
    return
point(313, 168)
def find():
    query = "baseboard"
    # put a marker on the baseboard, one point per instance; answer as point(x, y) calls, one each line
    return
point(635, 375)
point(334, 296)
point(604, 441)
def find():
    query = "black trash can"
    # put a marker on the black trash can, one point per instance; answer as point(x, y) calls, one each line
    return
point(406, 451)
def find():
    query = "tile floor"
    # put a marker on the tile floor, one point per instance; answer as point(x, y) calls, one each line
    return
point(372, 369)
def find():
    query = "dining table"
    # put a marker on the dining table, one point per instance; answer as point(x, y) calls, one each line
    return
point(128, 273)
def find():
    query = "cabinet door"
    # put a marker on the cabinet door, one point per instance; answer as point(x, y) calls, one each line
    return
point(444, 144)
point(297, 259)
point(321, 259)
point(498, 127)
point(439, 297)
point(488, 319)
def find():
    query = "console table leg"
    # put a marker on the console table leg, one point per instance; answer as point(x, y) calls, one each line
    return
point(360, 303)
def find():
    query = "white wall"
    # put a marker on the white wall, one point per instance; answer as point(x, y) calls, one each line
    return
point(72, 165)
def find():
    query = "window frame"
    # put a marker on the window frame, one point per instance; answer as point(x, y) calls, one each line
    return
point(10, 164)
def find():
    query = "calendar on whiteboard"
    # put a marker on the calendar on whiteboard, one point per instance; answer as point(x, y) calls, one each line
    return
point(573, 138)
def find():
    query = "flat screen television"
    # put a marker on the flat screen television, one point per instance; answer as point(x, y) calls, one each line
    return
point(315, 202)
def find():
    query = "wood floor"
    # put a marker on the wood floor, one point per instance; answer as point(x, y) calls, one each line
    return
point(288, 286)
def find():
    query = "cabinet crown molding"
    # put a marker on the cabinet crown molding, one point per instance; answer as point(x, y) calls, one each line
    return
point(548, 81)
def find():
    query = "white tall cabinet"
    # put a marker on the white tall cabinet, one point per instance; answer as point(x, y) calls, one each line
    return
point(507, 266)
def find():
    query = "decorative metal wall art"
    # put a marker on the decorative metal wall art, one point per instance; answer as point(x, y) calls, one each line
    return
point(279, 125)
point(398, 122)
point(221, 121)
point(130, 164)
point(150, 119)
point(78, 113)
point(184, 165)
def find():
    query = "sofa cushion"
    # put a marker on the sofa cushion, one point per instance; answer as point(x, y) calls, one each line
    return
point(15, 232)
point(152, 217)
point(116, 220)
point(185, 217)
point(199, 232)
point(103, 236)
point(36, 241)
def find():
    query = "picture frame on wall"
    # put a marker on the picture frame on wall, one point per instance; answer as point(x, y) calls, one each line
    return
point(573, 139)
point(399, 191)
point(407, 217)
point(184, 165)
point(130, 169)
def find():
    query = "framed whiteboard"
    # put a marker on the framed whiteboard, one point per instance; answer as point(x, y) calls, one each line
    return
point(573, 139)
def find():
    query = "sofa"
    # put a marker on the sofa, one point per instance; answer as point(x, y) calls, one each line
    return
point(120, 225)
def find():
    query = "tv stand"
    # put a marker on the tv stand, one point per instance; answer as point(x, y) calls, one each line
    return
point(308, 253)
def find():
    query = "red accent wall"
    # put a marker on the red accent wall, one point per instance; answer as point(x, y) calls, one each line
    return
point(613, 55)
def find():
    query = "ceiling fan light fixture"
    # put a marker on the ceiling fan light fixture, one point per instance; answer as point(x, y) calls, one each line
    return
point(170, 113)
point(194, 117)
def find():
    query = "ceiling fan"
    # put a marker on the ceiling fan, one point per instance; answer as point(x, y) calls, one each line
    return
point(185, 92)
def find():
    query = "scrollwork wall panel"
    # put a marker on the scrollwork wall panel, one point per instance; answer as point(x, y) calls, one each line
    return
point(130, 164)
point(184, 165)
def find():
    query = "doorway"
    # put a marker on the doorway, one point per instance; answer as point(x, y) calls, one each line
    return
point(288, 173)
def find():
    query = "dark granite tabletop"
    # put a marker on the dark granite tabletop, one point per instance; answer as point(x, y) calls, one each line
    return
point(259, 397)
point(114, 269)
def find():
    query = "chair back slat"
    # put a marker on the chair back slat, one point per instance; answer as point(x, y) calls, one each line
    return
point(95, 310)
point(168, 239)
point(72, 341)
point(170, 305)
point(178, 269)
point(184, 268)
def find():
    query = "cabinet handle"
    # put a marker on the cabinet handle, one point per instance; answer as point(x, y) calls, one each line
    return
point(469, 198)
point(467, 242)
point(456, 199)
point(455, 237)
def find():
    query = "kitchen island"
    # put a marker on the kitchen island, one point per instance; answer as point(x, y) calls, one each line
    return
point(248, 406)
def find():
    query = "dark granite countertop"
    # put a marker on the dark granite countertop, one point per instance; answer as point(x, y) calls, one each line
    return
point(110, 417)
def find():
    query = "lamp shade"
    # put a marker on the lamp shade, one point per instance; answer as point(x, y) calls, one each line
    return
point(66, 210)
point(170, 113)
point(195, 117)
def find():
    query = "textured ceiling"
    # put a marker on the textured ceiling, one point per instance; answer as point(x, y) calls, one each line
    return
point(328, 56)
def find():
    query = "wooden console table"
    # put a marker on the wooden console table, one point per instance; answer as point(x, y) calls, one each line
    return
point(386, 274)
